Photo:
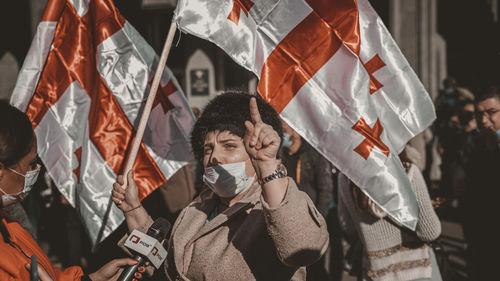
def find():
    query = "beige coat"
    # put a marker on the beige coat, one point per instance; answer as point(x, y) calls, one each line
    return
point(248, 241)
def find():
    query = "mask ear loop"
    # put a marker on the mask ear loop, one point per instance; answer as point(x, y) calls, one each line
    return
point(16, 172)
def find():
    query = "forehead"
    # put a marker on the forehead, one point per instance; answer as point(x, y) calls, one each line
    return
point(217, 136)
point(490, 103)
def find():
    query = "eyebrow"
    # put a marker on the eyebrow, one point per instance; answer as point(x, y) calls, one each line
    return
point(228, 139)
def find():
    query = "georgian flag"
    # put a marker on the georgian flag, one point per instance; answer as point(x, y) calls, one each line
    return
point(334, 73)
point(83, 84)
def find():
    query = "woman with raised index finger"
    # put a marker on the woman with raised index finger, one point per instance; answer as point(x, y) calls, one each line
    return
point(251, 223)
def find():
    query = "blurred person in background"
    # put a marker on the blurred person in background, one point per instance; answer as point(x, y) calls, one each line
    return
point(313, 175)
point(482, 184)
point(450, 133)
point(457, 142)
point(390, 251)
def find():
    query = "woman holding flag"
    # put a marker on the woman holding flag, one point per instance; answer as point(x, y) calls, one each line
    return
point(252, 222)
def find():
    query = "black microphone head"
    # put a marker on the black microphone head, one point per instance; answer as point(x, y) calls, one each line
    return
point(159, 229)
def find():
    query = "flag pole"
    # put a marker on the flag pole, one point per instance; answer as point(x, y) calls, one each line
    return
point(149, 102)
point(142, 122)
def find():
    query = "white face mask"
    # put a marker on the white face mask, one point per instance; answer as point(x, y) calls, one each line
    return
point(227, 180)
point(29, 181)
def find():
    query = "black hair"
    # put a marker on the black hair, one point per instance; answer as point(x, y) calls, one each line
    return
point(491, 92)
point(16, 134)
point(449, 82)
point(228, 112)
point(464, 117)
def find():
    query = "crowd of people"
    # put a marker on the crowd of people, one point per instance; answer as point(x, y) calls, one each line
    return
point(467, 130)
point(260, 203)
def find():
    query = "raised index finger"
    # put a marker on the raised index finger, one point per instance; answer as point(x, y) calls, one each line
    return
point(254, 111)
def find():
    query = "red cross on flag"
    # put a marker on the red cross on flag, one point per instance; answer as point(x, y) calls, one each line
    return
point(334, 73)
point(83, 84)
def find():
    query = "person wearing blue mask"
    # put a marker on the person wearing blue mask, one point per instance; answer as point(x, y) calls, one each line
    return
point(251, 222)
point(19, 169)
point(447, 104)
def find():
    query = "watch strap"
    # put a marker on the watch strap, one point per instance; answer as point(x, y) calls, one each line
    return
point(280, 172)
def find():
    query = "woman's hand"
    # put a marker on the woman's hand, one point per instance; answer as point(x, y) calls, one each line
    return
point(112, 270)
point(42, 275)
point(262, 142)
point(126, 198)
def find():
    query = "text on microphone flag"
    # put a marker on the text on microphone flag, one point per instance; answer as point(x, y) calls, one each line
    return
point(147, 246)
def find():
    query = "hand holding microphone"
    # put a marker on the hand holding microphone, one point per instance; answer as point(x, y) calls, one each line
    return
point(147, 247)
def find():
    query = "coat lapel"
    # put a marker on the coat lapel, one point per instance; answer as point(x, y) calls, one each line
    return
point(246, 202)
point(192, 220)
point(192, 225)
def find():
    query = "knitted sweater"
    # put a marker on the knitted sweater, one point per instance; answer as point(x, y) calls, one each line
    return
point(391, 252)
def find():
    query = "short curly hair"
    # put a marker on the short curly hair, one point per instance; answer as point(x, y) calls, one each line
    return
point(228, 112)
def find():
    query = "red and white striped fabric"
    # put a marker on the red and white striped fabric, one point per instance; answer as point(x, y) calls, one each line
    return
point(83, 84)
point(336, 76)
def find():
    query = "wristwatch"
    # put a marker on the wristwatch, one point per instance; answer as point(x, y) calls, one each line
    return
point(280, 172)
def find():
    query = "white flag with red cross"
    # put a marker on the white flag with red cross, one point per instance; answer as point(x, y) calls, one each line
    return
point(334, 73)
point(83, 85)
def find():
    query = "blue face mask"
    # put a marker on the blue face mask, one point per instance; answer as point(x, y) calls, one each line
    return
point(448, 91)
point(287, 142)
point(498, 134)
point(450, 102)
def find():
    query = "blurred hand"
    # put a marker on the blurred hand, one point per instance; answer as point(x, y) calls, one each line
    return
point(42, 275)
point(125, 198)
point(437, 202)
point(112, 270)
point(261, 141)
point(64, 201)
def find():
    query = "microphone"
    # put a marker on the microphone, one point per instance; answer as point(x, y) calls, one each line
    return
point(146, 247)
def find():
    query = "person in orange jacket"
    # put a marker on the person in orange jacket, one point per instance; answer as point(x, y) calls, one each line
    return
point(19, 170)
